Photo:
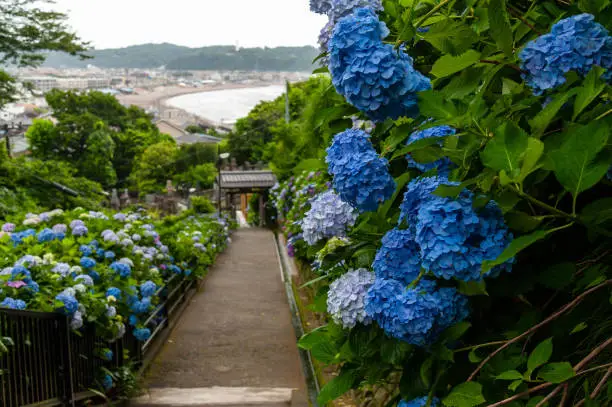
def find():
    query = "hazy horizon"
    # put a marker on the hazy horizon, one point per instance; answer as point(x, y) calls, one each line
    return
point(244, 23)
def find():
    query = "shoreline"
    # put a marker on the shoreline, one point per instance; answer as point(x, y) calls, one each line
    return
point(158, 97)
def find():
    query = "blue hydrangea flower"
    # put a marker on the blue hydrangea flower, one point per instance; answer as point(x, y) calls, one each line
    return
point(85, 279)
point(328, 216)
point(443, 164)
point(75, 223)
point(87, 262)
point(79, 231)
point(455, 240)
point(18, 237)
point(28, 261)
point(343, 8)
point(373, 76)
point(107, 382)
point(141, 306)
point(12, 303)
point(108, 354)
point(609, 174)
point(20, 272)
point(419, 190)
point(133, 320)
point(175, 269)
point(121, 217)
point(399, 257)
point(114, 291)
point(576, 43)
point(111, 311)
point(415, 315)
point(361, 177)
point(109, 255)
point(142, 334)
point(346, 298)
point(420, 402)
point(62, 269)
point(123, 269)
point(100, 253)
point(85, 250)
point(71, 305)
point(148, 288)
point(33, 287)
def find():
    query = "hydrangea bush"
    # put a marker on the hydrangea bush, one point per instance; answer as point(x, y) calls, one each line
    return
point(100, 269)
point(478, 271)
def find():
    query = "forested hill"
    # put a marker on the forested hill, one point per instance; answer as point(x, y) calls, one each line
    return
point(206, 58)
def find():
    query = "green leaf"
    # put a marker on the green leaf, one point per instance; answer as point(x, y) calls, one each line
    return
point(516, 246)
point(556, 372)
point(522, 222)
point(433, 104)
point(499, 25)
point(558, 276)
point(597, 212)
point(532, 155)
point(398, 134)
point(473, 356)
point(513, 386)
point(592, 6)
point(535, 401)
point(467, 394)
point(311, 164)
point(577, 163)
point(540, 355)
point(314, 337)
point(591, 88)
point(451, 37)
point(400, 183)
point(541, 121)
point(509, 375)
point(455, 332)
point(472, 288)
point(505, 150)
point(337, 386)
point(417, 145)
point(578, 328)
point(448, 64)
point(324, 351)
point(425, 371)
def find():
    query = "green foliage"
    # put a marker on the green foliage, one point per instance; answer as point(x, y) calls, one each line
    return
point(542, 158)
point(155, 167)
point(29, 30)
point(202, 204)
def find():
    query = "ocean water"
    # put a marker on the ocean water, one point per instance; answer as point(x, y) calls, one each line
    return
point(225, 106)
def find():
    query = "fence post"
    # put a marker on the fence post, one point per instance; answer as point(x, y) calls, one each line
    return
point(66, 367)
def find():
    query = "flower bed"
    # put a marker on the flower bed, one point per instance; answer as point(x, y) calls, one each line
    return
point(103, 269)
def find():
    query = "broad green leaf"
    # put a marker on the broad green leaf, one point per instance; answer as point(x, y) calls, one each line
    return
point(540, 355)
point(592, 6)
point(513, 386)
point(451, 37)
point(473, 288)
point(577, 163)
point(427, 155)
point(448, 64)
point(556, 372)
point(455, 332)
point(398, 134)
point(541, 121)
point(324, 352)
point(473, 356)
point(310, 339)
point(592, 87)
point(311, 164)
point(400, 183)
point(337, 386)
point(597, 212)
point(467, 394)
point(515, 247)
point(558, 276)
point(417, 145)
point(534, 151)
point(425, 371)
point(510, 375)
point(522, 222)
point(499, 25)
point(433, 104)
point(505, 150)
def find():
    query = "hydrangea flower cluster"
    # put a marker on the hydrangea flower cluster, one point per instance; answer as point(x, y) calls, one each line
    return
point(444, 164)
point(453, 238)
point(420, 402)
point(372, 75)
point(346, 298)
point(576, 43)
point(361, 177)
point(320, 6)
point(329, 216)
point(415, 315)
point(398, 258)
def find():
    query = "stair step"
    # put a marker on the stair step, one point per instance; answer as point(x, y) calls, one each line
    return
point(215, 397)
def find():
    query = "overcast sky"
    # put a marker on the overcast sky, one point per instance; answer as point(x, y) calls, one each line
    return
point(194, 23)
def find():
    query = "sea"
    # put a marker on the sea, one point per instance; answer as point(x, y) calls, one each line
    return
point(225, 106)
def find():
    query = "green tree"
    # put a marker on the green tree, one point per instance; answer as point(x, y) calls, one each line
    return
point(97, 162)
point(27, 31)
point(190, 155)
point(155, 167)
point(200, 176)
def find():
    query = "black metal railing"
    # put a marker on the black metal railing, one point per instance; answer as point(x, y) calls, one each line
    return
point(47, 364)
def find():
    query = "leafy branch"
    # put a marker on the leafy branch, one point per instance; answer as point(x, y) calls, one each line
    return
point(554, 316)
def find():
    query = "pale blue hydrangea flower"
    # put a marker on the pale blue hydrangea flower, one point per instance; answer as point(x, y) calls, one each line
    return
point(328, 216)
point(420, 402)
point(85, 279)
point(346, 298)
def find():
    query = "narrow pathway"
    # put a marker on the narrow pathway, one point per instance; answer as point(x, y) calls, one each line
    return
point(236, 333)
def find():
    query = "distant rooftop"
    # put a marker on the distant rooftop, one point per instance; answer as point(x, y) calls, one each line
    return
point(247, 179)
point(191, 138)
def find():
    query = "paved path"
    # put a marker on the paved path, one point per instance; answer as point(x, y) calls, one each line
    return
point(237, 331)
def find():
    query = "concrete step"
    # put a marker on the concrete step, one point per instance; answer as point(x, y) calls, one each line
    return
point(215, 397)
